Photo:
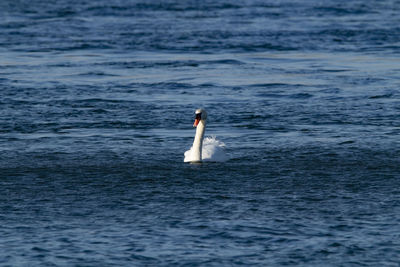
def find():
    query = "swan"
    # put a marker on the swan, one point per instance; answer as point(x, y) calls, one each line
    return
point(204, 149)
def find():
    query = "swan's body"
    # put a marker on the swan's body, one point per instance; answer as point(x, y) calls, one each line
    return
point(208, 149)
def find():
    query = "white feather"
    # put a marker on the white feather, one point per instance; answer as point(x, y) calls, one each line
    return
point(204, 149)
point(213, 150)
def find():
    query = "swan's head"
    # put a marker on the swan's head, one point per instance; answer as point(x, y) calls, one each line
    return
point(201, 115)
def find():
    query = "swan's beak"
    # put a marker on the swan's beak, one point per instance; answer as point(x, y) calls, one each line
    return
point(197, 119)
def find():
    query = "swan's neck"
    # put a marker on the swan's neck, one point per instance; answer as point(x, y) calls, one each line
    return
point(198, 141)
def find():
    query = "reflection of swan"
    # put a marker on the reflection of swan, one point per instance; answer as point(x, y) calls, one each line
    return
point(208, 150)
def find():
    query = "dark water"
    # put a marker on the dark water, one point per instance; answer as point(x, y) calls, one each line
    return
point(96, 111)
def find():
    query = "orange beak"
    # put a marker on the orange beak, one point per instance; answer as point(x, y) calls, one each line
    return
point(197, 119)
point(196, 122)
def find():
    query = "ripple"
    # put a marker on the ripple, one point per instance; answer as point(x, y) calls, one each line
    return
point(97, 110)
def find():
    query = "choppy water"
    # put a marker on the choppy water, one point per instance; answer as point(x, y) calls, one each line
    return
point(96, 111)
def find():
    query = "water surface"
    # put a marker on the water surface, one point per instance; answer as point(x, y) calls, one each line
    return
point(97, 105)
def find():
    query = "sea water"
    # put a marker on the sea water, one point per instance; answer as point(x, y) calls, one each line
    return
point(97, 103)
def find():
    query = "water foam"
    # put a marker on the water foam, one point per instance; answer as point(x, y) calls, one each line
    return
point(213, 151)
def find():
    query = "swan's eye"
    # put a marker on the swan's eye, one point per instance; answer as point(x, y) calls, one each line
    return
point(198, 116)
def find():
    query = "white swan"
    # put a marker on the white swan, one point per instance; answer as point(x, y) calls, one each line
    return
point(208, 149)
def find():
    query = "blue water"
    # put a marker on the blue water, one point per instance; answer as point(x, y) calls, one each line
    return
point(96, 110)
